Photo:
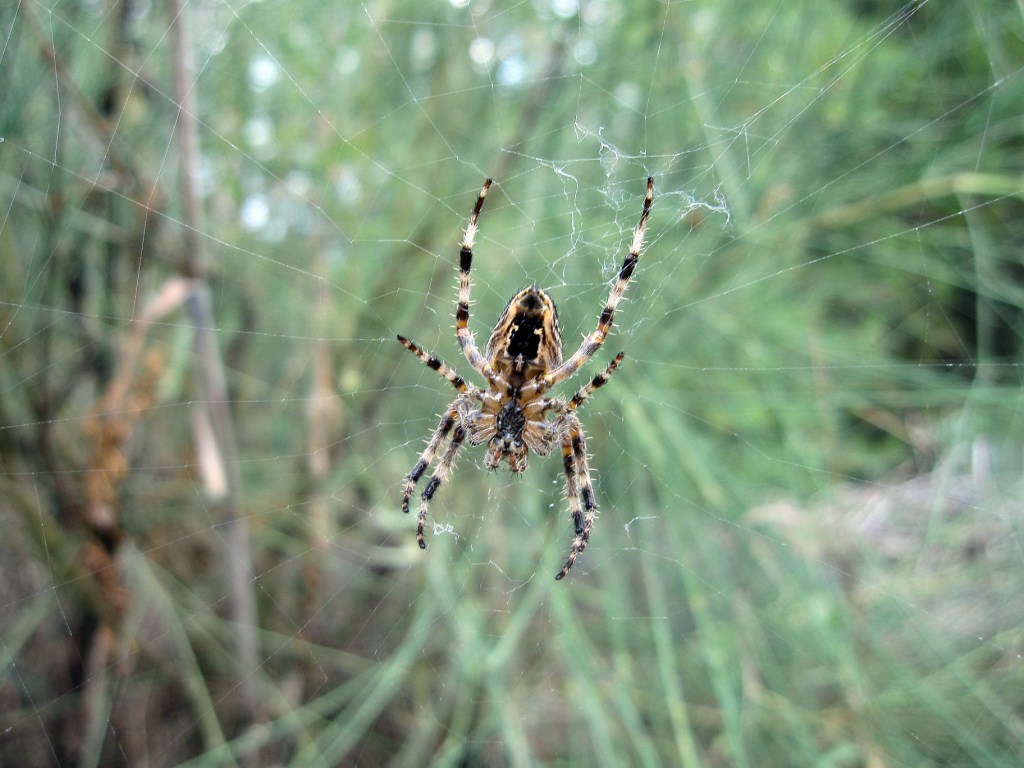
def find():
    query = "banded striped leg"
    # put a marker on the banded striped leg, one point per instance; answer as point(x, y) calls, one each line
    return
point(436, 364)
point(579, 490)
point(597, 382)
point(594, 341)
point(427, 457)
point(535, 409)
point(462, 332)
point(443, 468)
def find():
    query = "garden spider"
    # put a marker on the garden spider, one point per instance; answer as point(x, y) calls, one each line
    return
point(522, 361)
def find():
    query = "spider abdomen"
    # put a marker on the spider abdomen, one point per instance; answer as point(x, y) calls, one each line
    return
point(526, 341)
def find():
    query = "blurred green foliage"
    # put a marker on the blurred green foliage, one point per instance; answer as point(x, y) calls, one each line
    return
point(809, 551)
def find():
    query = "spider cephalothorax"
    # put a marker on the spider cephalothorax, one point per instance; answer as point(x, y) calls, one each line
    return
point(521, 362)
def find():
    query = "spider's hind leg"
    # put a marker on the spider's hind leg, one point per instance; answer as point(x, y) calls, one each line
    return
point(462, 332)
point(597, 337)
point(598, 381)
point(435, 364)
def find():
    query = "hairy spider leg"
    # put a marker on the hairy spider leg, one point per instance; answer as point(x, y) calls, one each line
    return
point(579, 490)
point(465, 336)
point(574, 462)
point(443, 468)
point(435, 363)
point(596, 383)
point(594, 341)
point(427, 457)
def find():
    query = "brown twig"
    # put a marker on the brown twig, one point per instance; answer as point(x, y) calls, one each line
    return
point(213, 426)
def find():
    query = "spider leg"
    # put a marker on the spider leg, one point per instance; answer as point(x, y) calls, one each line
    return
point(427, 457)
point(465, 336)
point(594, 341)
point(443, 468)
point(595, 383)
point(436, 364)
point(535, 410)
point(579, 490)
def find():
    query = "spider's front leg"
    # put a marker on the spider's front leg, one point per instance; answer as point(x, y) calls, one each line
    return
point(451, 419)
point(443, 468)
point(578, 489)
point(427, 457)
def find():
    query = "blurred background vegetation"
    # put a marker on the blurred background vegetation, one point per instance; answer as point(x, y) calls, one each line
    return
point(214, 218)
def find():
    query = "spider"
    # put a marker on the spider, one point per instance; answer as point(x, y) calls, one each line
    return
point(513, 415)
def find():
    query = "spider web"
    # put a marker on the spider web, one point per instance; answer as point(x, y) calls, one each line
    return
point(216, 216)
